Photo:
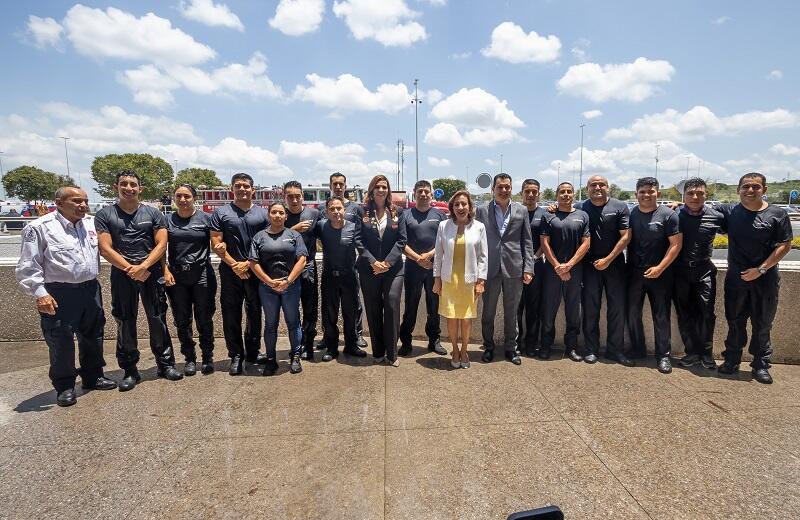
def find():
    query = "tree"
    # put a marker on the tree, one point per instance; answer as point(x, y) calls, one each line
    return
point(449, 186)
point(625, 195)
point(198, 177)
point(614, 191)
point(155, 173)
point(548, 194)
point(30, 183)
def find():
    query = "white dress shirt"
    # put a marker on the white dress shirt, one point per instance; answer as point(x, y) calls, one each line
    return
point(56, 250)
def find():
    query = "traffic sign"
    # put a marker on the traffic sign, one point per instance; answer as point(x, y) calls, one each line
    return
point(438, 193)
point(793, 195)
point(484, 180)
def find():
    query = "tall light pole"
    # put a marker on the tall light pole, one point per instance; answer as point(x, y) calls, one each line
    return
point(176, 166)
point(416, 101)
point(2, 174)
point(688, 158)
point(501, 164)
point(699, 164)
point(657, 147)
point(580, 181)
point(66, 153)
point(558, 173)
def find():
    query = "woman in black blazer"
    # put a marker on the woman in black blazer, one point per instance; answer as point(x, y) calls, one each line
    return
point(380, 269)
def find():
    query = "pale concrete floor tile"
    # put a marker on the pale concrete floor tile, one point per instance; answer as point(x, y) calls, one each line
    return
point(776, 426)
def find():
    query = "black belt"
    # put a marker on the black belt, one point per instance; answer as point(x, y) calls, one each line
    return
point(695, 263)
point(67, 285)
point(183, 268)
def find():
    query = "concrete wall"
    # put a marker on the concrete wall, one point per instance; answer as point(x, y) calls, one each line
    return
point(19, 320)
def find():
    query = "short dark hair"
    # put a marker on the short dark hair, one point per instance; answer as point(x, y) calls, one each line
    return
point(563, 183)
point(331, 199)
point(753, 175)
point(500, 176)
point(240, 176)
point(337, 174)
point(188, 187)
point(646, 181)
point(292, 184)
point(276, 203)
point(452, 201)
point(530, 181)
point(127, 173)
point(694, 182)
point(421, 183)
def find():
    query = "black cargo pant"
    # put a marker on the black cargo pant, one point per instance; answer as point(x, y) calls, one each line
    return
point(695, 293)
point(125, 294)
point(418, 280)
point(79, 313)
point(233, 292)
point(530, 310)
point(612, 280)
point(339, 288)
point(758, 301)
point(553, 290)
point(382, 304)
point(195, 290)
point(309, 301)
point(659, 292)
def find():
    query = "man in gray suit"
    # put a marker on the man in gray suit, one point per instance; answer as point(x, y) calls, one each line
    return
point(508, 234)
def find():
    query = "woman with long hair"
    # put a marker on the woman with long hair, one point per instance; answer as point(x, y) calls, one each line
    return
point(380, 269)
point(459, 271)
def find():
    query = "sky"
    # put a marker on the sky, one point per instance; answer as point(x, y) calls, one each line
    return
point(297, 89)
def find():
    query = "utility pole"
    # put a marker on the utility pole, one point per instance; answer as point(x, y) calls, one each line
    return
point(416, 101)
point(580, 181)
point(398, 164)
point(558, 173)
point(402, 162)
point(2, 174)
point(176, 166)
point(688, 158)
point(501, 164)
point(66, 153)
point(657, 147)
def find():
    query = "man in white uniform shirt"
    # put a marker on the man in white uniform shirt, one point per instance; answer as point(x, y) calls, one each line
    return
point(58, 265)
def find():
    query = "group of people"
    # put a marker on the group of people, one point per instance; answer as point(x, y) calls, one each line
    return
point(536, 257)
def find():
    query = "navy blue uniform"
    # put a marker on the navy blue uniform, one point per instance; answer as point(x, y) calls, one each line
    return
point(309, 293)
point(529, 313)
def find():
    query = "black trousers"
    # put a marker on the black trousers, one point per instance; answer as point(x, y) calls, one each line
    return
point(194, 290)
point(529, 313)
point(309, 301)
point(553, 289)
point(694, 294)
point(125, 295)
point(79, 313)
point(758, 301)
point(233, 292)
point(659, 292)
point(382, 304)
point(339, 287)
point(612, 280)
point(418, 280)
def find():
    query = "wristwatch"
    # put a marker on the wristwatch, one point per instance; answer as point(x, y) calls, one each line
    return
point(762, 270)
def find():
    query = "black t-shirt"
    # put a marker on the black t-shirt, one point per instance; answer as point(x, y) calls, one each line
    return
point(338, 245)
point(753, 235)
point(566, 231)
point(605, 223)
point(536, 217)
point(698, 234)
point(277, 253)
point(238, 227)
point(352, 211)
point(132, 234)
point(188, 239)
point(421, 228)
point(651, 232)
point(292, 219)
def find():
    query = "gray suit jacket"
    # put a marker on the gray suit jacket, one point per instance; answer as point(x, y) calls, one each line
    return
point(512, 253)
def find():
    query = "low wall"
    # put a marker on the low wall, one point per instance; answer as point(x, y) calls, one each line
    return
point(19, 320)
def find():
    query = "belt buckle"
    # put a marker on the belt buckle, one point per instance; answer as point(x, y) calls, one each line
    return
point(334, 272)
point(186, 267)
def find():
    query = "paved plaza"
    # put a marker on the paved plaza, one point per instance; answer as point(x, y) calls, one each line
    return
point(348, 439)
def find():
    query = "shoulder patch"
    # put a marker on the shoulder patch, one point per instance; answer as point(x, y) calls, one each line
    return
point(29, 235)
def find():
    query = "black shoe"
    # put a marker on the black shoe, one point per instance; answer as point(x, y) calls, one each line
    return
point(101, 383)
point(591, 359)
point(728, 368)
point(544, 353)
point(207, 367)
point(664, 365)
point(189, 368)
point(689, 360)
point(236, 366)
point(66, 397)
point(488, 355)
point(329, 355)
point(404, 350)
point(261, 359)
point(295, 367)
point(355, 352)
point(170, 373)
point(308, 353)
point(574, 356)
point(437, 347)
point(514, 358)
point(708, 362)
point(270, 367)
point(321, 345)
point(622, 359)
point(132, 377)
point(761, 375)
point(361, 342)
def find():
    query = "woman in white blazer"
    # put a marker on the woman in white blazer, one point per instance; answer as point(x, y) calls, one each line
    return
point(459, 271)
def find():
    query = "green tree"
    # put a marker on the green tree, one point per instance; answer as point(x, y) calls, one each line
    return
point(30, 183)
point(155, 173)
point(614, 191)
point(625, 195)
point(449, 186)
point(198, 177)
point(548, 194)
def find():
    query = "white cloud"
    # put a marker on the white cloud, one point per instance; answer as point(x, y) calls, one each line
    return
point(580, 50)
point(510, 43)
point(229, 153)
point(700, 122)
point(296, 17)
point(624, 81)
point(45, 31)
point(592, 114)
point(438, 163)
point(721, 20)
point(388, 22)
point(782, 149)
point(347, 158)
point(114, 33)
point(775, 74)
point(209, 13)
point(437, 3)
point(460, 55)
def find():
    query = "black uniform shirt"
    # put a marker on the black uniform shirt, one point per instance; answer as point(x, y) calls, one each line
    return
point(132, 234)
point(352, 211)
point(188, 239)
point(698, 234)
point(277, 253)
point(292, 219)
point(566, 232)
point(605, 223)
point(421, 228)
point(753, 235)
point(238, 227)
point(651, 232)
point(338, 245)
point(535, 217)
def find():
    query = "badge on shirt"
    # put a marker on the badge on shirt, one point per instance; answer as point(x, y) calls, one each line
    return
point(30, 235)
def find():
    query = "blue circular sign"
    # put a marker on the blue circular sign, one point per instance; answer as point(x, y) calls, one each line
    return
point(439, 193)
point(794, 195)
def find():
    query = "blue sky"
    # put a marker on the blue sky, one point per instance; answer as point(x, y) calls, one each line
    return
point(300, 88)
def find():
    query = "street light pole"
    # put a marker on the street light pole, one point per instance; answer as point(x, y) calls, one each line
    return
point(688, 158)
point(501, 164)
point(657, 147)
point(2, 174)
point(66, 153)
point(580, 181)
point(416, 101)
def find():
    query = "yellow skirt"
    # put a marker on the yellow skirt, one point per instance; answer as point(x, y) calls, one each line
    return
point(458, 297)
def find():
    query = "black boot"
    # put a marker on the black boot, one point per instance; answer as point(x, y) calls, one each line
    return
point(130, 380)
